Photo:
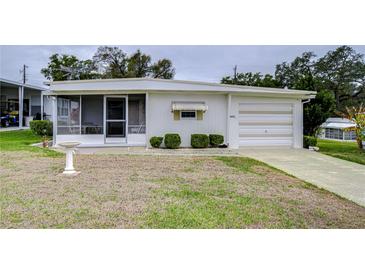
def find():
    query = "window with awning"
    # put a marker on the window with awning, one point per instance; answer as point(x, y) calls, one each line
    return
point(185, 110)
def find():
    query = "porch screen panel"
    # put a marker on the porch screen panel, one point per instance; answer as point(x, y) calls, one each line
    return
point(68, 115)
point(137, 114)
point(92, 114)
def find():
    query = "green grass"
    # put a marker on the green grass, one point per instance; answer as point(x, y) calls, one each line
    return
point(343, 150)
point(21, 140)
point(215, 204)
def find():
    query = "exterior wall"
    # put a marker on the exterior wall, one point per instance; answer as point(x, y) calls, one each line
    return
point(160, 119)
point(234, 115)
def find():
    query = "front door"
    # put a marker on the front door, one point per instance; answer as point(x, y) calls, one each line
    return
point(115, 119)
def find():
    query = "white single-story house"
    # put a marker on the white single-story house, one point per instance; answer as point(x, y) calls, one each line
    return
point(335, 129)
point(128, 112)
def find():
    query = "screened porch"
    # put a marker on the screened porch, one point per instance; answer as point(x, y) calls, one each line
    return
point(101, 119)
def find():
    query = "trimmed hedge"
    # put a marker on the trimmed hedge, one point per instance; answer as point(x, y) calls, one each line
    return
point(199, 140)
point(156, 141)
point(172, 140)
point(216, 140)
point(41, 127)
point(309, 141)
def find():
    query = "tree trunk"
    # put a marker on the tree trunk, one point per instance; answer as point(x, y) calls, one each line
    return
point(359, 143)
point(337, 96)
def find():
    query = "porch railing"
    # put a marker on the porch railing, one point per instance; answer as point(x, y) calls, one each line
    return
point(136, 129)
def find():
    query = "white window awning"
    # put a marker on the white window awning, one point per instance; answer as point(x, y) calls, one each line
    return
point(193, 106)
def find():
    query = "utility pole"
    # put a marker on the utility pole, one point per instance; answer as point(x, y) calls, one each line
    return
point(24, 72)
point(235, 74)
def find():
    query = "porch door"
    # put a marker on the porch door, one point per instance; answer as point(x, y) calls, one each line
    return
point(115, 119)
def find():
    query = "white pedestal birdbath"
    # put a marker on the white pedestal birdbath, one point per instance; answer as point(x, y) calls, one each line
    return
point(70, 148)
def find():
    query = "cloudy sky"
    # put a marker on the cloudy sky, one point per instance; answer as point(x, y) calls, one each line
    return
point(203, 63)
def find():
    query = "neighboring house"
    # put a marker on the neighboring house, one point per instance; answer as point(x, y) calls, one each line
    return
point(19, 103)
point(335, 129)
point(128, 112)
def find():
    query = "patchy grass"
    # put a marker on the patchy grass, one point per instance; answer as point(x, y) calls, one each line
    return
point(121, 191)
point(343, 150)
point(21, 140)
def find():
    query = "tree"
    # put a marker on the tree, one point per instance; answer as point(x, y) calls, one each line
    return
point(356, 115)
point(163, 69)
point(139, 65)
point(251, 79)
point(298, 74)
point(317, 111)
point(111, 62)
point(68, 67)
point(341, 71)
point(107, 62)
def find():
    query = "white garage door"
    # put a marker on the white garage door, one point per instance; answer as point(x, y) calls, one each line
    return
point(265, 124)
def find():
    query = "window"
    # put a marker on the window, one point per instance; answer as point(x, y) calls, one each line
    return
point(188, 114)
point(334, 133)
point(349, 135)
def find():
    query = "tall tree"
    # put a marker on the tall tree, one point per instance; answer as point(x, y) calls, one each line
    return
point(139, 65)
point(343, 72)
point(68, 67)
point(107, 62)
point(317, 111)
point(298, 74)
point(163, 69)
point(111, 62)
point(251, 79)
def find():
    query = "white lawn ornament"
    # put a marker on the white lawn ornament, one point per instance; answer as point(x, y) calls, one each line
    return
point(70, 150)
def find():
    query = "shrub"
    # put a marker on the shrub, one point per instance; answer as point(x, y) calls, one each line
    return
point(172, 140)
point(216, 140)
point(309, 141)
point(41, 127)
point(156, 141)
point(199, 140)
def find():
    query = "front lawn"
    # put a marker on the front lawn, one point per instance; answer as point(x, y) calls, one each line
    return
point(121, 191)
point(21, 140)
point(343, 150)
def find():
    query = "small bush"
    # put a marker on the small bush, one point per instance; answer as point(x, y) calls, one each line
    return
point(172, 140)
point(309, 141)
point(156, 141)
point(199, 140)
point(216, 140)
point(41, 127)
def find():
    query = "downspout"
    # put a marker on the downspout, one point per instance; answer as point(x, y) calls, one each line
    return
point(304, 102)
point(229, 102)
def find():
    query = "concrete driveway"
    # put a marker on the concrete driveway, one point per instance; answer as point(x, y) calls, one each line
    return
point(342, 177)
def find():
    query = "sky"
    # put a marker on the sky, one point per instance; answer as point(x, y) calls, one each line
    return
point(196, 63)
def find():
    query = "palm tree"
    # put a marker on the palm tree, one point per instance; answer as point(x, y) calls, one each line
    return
point(356, 115)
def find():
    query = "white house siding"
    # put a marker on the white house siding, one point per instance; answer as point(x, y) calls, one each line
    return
point(160, 119)
point(260, 129)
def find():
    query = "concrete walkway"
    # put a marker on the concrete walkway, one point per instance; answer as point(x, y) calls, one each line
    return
point(347, 179)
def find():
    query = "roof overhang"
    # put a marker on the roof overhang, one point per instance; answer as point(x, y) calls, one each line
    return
point(18, 84)
point(130, 85)
point(339, 125)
